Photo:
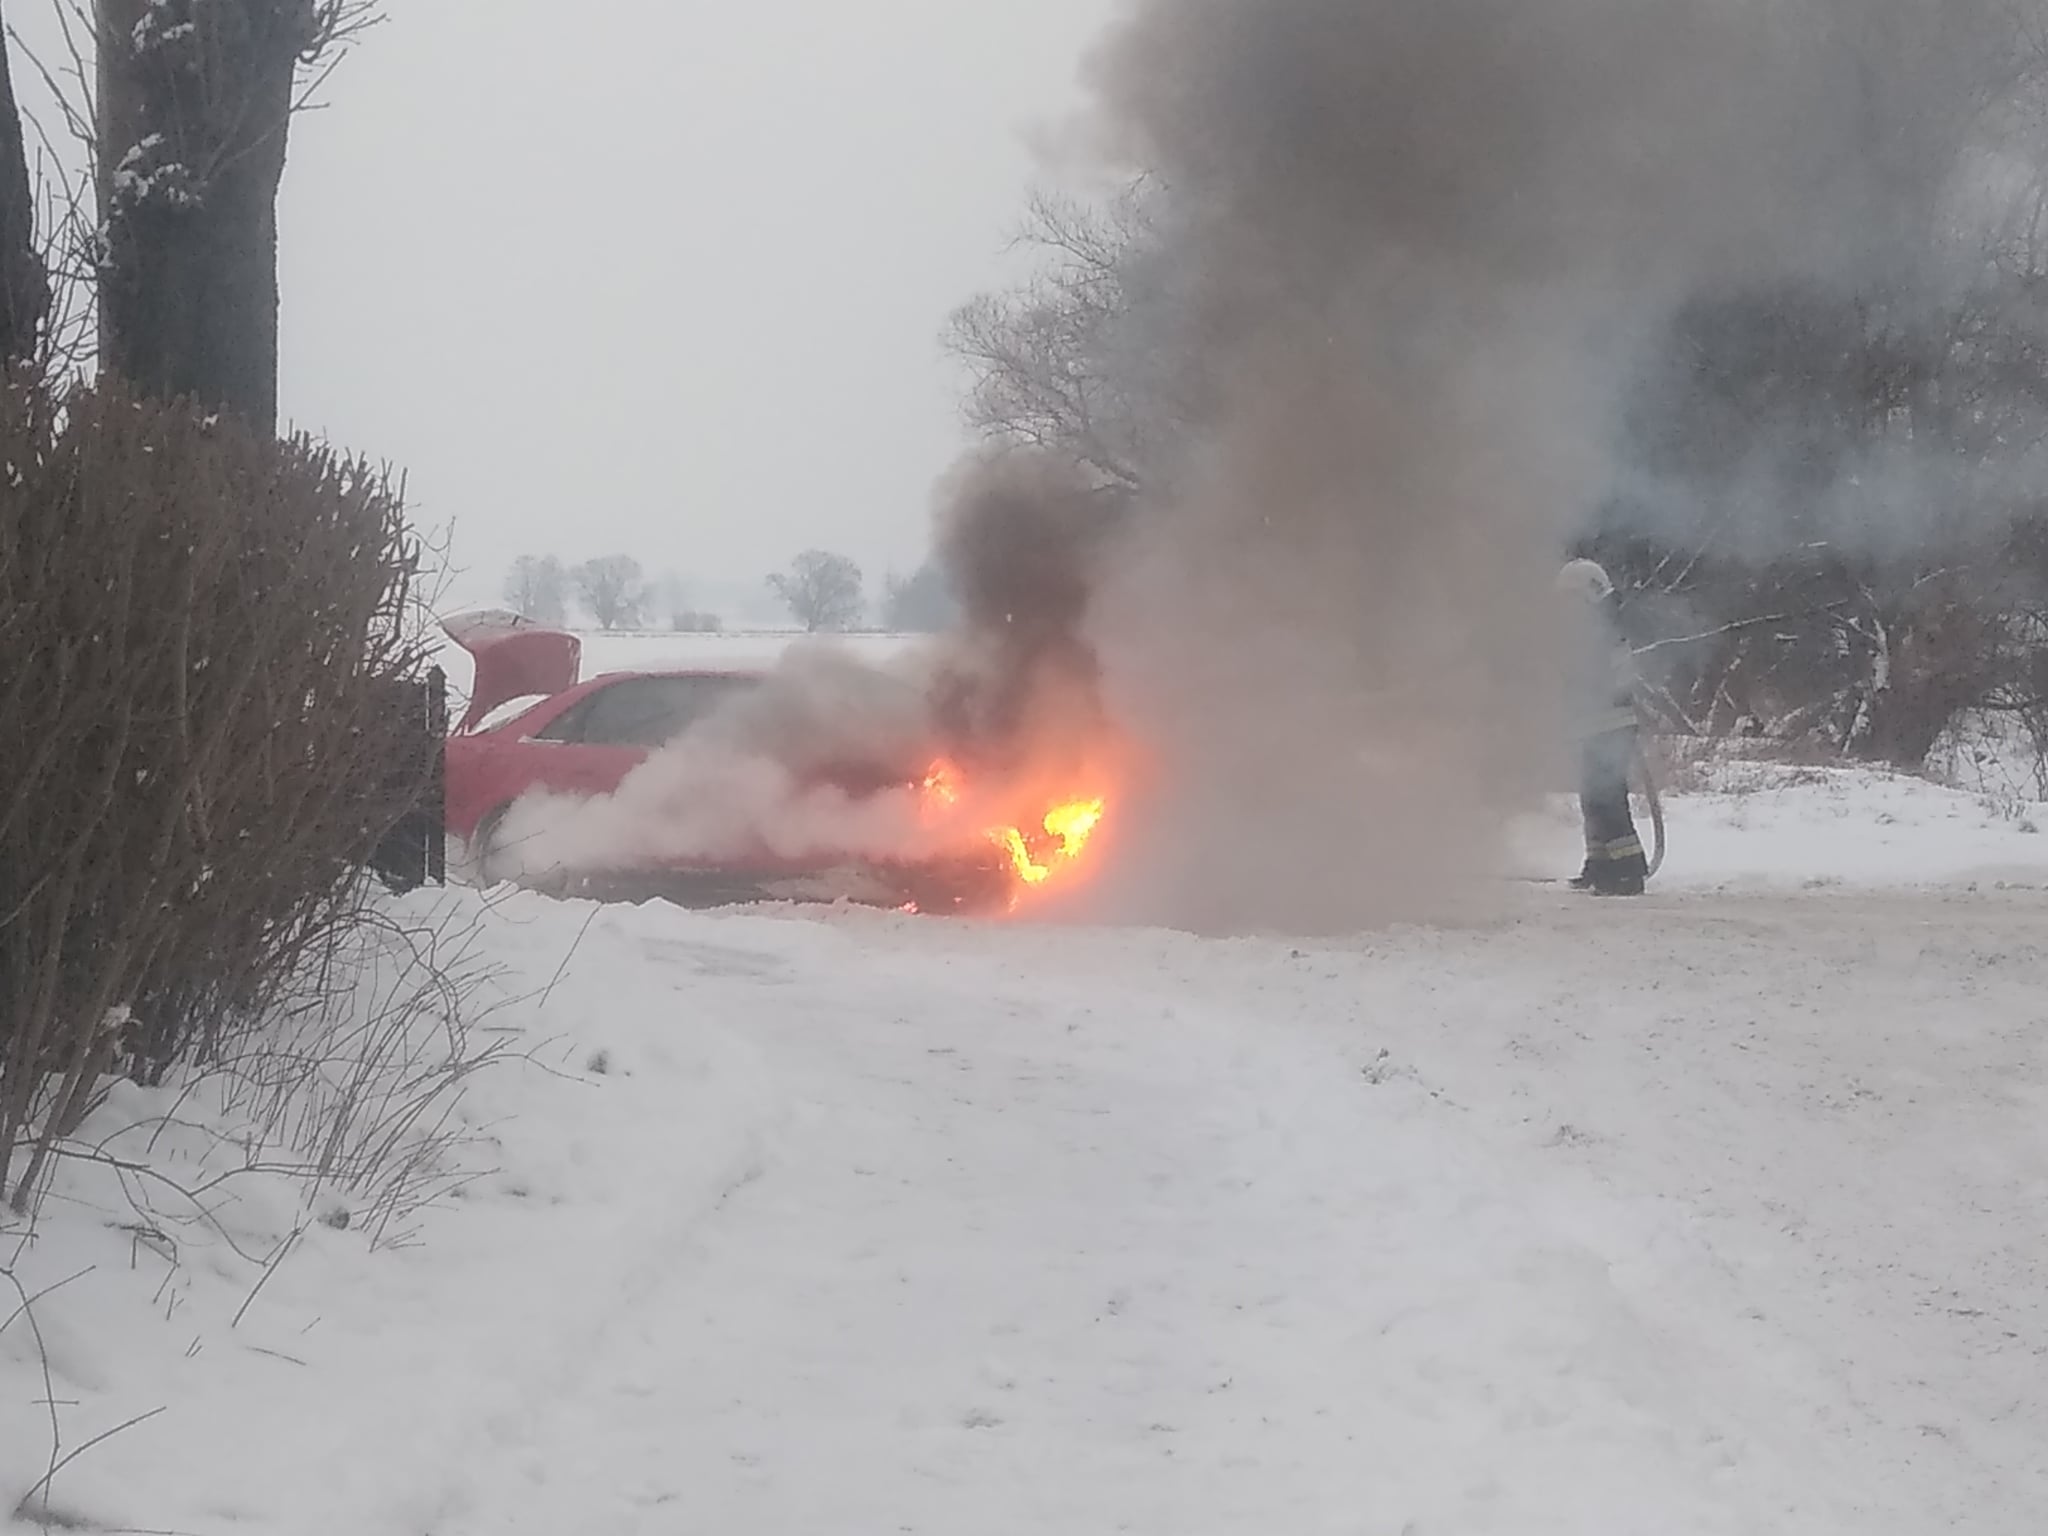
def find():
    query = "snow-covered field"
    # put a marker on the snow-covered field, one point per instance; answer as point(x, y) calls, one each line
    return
point(1714, 1212)
point(643, 652)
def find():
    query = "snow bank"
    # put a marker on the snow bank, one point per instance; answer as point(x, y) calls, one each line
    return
point(294, 1351)
point(1990, 754)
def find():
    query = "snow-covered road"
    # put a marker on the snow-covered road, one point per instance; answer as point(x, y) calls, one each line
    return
point(1705, 1214)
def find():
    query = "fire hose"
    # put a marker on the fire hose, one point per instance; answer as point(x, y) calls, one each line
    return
point(1656, 800)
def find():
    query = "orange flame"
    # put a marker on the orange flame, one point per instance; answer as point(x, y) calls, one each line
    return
point(1069, 825)
point(942, 783)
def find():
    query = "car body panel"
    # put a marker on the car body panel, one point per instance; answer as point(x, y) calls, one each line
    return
point(539, 749)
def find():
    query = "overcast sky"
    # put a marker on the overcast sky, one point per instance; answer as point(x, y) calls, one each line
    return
point(661, 276)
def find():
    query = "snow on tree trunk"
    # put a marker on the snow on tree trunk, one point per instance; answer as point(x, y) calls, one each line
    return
point(195, 101)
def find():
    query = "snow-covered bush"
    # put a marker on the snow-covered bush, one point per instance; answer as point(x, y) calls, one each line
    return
point(206, 633)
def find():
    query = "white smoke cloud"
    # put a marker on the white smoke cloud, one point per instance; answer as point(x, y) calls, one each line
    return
point(704, 803)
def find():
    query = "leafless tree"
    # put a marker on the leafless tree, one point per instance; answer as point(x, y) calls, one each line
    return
point(195, 99)
point(822, 590)
point(1084, 358)
point(1835, 534)
point(613, 590)
point(24, 284)
point(538, 588)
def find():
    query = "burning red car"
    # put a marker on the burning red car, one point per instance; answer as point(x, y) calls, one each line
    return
point(532, 728)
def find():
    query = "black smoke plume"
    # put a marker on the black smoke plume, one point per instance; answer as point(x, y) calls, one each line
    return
point(1020, 536)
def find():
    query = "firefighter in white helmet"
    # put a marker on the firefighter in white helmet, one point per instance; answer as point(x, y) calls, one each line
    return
point(1603, 717)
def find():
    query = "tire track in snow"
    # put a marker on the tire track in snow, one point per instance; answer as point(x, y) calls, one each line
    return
point(1038, 1260)
point(552, 1325)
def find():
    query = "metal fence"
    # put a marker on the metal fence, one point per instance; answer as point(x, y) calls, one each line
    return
point(414, 852)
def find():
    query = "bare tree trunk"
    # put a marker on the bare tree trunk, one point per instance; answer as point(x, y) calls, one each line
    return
point(195, 102)
point(24, 285)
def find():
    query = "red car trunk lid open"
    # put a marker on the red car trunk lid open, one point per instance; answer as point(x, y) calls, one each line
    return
point(515, 657)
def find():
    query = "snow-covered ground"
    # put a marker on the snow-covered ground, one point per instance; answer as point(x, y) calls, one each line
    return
point(1714, 1212)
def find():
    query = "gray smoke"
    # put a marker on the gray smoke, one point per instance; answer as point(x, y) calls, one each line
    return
point(1020, 536)
point(1420, 243)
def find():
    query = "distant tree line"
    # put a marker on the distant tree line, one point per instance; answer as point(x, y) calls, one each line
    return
point(823, 591)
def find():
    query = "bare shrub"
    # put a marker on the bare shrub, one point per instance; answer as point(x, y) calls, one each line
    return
point(1829, 522)
point(351, 1092)
point(354, 1082)
point(198, 752)
point(1870, 658)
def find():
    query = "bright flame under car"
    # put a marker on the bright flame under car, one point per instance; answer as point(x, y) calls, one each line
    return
point(1059, 839)
point(1069, 825)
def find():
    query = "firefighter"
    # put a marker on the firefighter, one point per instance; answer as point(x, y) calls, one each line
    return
point(1603, 717)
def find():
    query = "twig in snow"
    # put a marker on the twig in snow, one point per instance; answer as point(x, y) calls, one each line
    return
point(553, 981)
point(277, 1259)
point(40, 1493)
point(27, 1309)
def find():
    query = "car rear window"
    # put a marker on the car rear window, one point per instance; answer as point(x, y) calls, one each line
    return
point(507, 712)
